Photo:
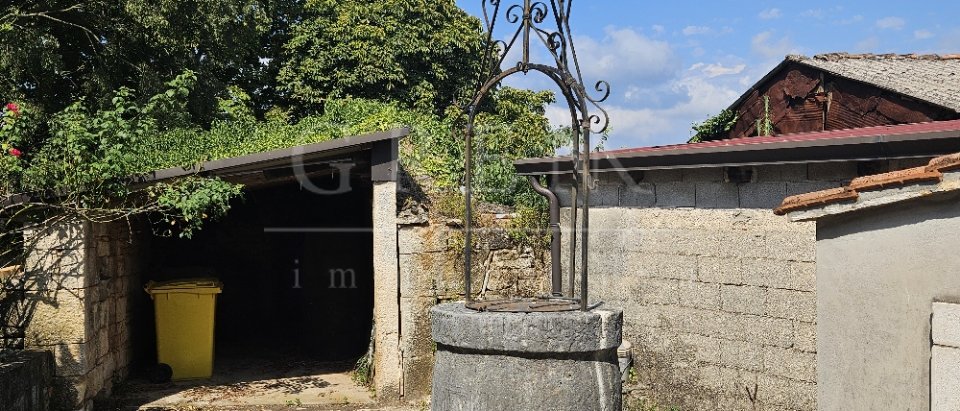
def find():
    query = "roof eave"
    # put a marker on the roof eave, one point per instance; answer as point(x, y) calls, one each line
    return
point(869, 147)
point(277, 157)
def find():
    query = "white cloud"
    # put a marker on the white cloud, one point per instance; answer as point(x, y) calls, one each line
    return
point(812, 14)
point(766, 46)
point(717, 70)
point(658, 29)
point(695, 30)
point(922, 34)
point(855, 19)
point(770, 14)
point(895, 23)
point(703, 95)
point(625, 55)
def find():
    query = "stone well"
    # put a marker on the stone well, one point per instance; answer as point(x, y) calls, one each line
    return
point(555, 361)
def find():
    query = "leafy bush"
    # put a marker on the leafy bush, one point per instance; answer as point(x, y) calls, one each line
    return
point(715, 127)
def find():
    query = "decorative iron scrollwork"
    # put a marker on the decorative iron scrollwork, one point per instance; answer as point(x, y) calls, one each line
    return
point(532, 18)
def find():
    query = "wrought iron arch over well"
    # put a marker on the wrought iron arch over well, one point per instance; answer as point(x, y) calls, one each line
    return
point(548, 25)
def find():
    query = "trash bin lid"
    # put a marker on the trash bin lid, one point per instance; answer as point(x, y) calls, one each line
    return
point(190, 285)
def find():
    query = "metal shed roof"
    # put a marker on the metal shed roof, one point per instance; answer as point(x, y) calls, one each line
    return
point(870, 143)
point(383, 162)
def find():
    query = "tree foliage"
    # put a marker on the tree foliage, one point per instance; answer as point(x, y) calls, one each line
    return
point(421, 53)
point(715, 127)
point(53, 52)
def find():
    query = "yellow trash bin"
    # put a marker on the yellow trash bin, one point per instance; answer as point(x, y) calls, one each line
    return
point(185, 318)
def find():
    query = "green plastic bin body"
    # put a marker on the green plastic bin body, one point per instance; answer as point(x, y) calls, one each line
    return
point(185, 311)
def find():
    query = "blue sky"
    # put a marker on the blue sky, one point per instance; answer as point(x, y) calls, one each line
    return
point(677, 62)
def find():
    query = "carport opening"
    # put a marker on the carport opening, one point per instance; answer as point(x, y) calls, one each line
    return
point(297, 271)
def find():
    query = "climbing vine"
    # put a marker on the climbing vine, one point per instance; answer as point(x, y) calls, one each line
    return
point(715, 127)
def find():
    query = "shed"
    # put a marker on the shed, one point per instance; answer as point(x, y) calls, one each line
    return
point(308, 259)
point(888, 317)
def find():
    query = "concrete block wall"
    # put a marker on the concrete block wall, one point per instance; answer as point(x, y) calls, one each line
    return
point(79, 279)
point(718, 293)
point(431, 271)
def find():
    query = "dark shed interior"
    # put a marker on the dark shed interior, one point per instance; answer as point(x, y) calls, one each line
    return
point(295, 258)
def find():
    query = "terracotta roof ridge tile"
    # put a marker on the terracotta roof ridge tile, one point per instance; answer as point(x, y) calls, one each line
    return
point(933, 171)
point(945, 163)
point(816, 198)
point(895, 178)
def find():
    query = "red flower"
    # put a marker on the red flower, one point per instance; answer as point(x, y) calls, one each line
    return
point(13, 107)
point(16, 153)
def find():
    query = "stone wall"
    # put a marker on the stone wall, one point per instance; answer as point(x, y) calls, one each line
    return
point(78, 280)
point(431, 271)
point(25, 381)
point(718, 293)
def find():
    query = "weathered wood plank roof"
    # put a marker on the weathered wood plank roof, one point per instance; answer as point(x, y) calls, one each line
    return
point(929, 77)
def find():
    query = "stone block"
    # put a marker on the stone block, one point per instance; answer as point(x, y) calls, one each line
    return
point(68, 278)
point(643, 317)
point(788, 275)
point(57, 317)
point(945, 378)
point(676, 194)
point(738, 382)
point(416, 343)
point(68, 235)
point(790, 363)
point(772, 390)
point(719, 270)
point(804, 187)
point(703, 174)
point(565, 332)
point(708, 376)
point(767, 331)
point(795, 305)
point(743, 299)
point(605, 195)
point(791, 172)
point(706, 349)
point(766, 195)
point(658, 291)
point(663, 176)
point(741, 355)
point(737, 243)
point(680, 267)
point(692, 321)
point(790, 245)
point(414, 239)
point(946, 324)
point(70, 359)
point(699, 295)
point(837, 171)
point(638, 195)
point(805, 335)
point(717, 195)
point(674, 241)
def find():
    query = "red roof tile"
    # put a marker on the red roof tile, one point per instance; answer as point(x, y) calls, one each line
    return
point(895, 178)
point(902, 129)
point(930, 172)
point(808, 200)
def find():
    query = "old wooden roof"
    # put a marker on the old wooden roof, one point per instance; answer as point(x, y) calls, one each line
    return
point(928, 77)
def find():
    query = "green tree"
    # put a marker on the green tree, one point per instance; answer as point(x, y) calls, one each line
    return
point(424, 54)
point(53, 52)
